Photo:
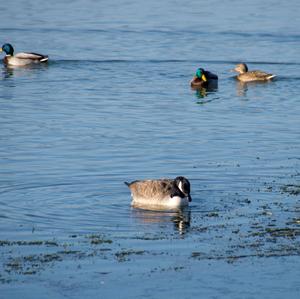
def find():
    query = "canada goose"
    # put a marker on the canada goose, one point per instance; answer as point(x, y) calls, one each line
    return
point(161, 193)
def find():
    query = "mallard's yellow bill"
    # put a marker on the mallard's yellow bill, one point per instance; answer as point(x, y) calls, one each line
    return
point(203, 78)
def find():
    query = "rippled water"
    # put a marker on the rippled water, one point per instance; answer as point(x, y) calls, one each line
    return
point(113, 105)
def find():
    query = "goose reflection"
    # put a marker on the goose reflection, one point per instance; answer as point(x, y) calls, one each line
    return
point(180, 218)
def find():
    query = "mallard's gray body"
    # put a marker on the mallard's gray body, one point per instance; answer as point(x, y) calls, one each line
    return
point(21, 59)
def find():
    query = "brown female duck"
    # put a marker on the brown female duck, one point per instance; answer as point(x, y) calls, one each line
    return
point(251, 76)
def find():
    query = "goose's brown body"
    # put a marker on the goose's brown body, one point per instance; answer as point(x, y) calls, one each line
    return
point(160, 194)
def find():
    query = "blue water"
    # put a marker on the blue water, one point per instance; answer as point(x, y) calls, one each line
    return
point(113, 105)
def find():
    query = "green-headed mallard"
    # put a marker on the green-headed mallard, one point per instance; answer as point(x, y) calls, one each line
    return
point(203, 78)
point(246, 76)
point(21, 59)
point(160, 194)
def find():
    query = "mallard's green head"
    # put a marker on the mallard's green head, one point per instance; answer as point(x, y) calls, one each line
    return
point(200, 74)
point(8, 49)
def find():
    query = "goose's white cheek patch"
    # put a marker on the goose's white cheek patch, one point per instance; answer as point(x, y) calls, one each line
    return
point(180, 187)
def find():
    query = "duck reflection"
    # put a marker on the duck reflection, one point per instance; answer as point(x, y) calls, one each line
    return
point(7, 72)
point(202, 92)
point(10, 71)
point(181, 218)
point(242, 87)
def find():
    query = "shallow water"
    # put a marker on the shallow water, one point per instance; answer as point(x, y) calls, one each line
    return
point(114, 105)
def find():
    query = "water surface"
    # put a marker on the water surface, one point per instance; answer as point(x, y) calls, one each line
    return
point(113, 105)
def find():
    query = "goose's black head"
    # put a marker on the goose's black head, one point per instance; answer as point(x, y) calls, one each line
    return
point(184, 186)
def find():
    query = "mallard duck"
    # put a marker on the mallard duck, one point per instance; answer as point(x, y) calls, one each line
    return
point(246, 76)
point(160, 194)
point(21, 59)
point(203, 78)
